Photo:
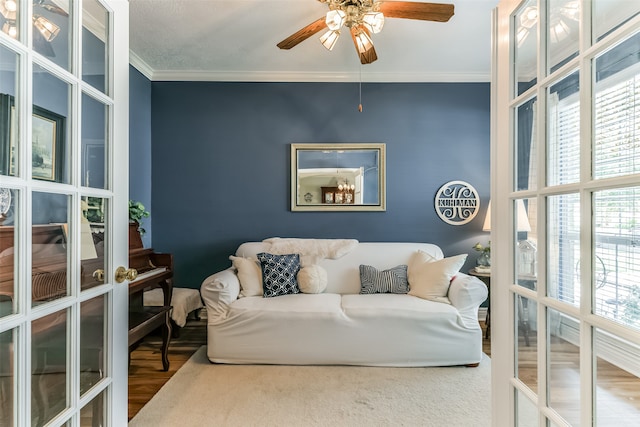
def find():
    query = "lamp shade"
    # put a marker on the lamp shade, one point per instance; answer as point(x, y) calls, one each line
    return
point(335, 19)
point(374, 21)
point(521, 217)
point(363, 41)
point(8, 9)
point(48, 29)
point(330, 38)
point(487, 219)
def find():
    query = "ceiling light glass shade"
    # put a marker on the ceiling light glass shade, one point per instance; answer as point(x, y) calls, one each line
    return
point(8, 9)
point(329, 39)
point(521, 36)
point(11, 29)
point(374, 21)
point(335, 19)
point(529, 17)
point(363, 41)
point(48, 29)
point(558, 31)
point(571, 10)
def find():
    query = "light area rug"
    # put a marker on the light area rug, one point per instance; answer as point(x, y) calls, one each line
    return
point(205, 394)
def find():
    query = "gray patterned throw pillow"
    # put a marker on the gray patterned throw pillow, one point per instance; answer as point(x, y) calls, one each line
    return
point(393, 280)
point(279, 274)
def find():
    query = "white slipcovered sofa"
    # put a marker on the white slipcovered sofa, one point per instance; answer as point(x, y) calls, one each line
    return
point(340, 325)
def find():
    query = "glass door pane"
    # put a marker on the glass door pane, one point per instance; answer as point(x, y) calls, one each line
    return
point(95, 24)
point(50, 247)
point(9, 257)
point(94, 137)
point(562, 32)
point(563, 367)
point(51, 149)
point(49, 379)
point(52, 31)
point(563, 248)
point(526, 46)
point(610, 14)
point(9, 136)
point(616, 379)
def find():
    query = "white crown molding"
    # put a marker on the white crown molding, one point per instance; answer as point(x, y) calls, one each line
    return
point(241, 76)
point(140, 65)
point(293, 76)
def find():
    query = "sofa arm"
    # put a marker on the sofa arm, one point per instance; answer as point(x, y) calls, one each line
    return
point(218, 291)
point(466, 293)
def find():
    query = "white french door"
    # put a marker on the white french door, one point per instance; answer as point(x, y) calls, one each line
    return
point(63, 212)
point(566, 294)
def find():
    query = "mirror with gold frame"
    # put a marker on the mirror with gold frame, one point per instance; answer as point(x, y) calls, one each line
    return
point(338, 177)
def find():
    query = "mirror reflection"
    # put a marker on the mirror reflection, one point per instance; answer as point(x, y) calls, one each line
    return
point(337, 176)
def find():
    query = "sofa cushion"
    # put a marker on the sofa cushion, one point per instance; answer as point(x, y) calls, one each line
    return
point(429, 278)
point(249, 274)
point(394, 305)
point(279, 274)
point(292, 305)
point(312, 279)
point(374, 281)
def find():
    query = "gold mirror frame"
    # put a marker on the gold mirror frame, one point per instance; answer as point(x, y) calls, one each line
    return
point(338, 177)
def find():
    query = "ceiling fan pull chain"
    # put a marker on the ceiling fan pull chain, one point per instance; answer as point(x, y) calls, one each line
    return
point(360, 90)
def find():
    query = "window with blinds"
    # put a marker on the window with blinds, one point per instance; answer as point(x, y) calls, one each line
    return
point(616, 211)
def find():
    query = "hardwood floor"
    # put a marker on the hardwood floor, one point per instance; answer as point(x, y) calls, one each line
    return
point(145, 371)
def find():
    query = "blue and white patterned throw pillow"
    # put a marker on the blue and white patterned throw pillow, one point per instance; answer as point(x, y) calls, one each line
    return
point(393, 280)
point(279, 274)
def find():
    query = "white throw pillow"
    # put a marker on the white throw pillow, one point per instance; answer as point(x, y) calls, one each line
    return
point(250, 276)
point(312, 279)
point(430, 278)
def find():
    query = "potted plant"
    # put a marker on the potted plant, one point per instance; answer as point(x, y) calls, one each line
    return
point(484, 260)
point(137, 211)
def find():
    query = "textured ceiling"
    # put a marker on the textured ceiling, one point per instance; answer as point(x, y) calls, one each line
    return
point(235, 40)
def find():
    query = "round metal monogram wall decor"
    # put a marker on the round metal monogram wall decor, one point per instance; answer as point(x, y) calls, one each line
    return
point(457, 202)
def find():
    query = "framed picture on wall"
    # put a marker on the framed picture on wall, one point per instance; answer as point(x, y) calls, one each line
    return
point(7, 135)
point(47, 145)
point(48, 141)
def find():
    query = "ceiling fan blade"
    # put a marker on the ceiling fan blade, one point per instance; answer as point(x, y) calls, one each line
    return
point(368, 56)
point(411, 10)
point(51, 7)
point(303, 34)
point(55, 9)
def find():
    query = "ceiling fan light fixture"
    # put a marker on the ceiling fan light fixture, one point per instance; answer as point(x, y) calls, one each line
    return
point(363, 41)
point(335, 19)
point(374, 21)
point(329, 39)
point(529, 17)
point(48, 29)
point(10, 29)
point(521, 35)
point(8, 9)
point(558, 31)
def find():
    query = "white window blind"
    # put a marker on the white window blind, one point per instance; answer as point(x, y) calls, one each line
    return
point(616, 212)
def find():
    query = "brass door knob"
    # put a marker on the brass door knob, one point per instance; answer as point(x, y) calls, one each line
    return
point(98, 275)
point(123, 274)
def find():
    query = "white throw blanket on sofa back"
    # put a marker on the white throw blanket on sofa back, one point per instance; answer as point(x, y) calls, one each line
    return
point(311, 250)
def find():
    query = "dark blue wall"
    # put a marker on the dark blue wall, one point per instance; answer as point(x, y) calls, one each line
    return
point(140, 145)
point(221, 163)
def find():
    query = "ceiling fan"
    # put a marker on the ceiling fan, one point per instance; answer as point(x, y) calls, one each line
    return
point(364, 17)
point(47, 30)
